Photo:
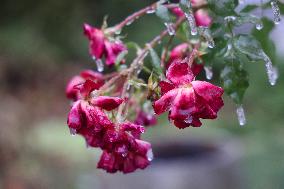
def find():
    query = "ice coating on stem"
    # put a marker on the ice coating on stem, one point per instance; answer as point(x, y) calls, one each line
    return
point(151, 11)
point(100, 65)
point(192, 24)
point(205, 32)
point(241, 115)
point(276, 12)
point(208, 72)
point(272, 72)
point(170, 28)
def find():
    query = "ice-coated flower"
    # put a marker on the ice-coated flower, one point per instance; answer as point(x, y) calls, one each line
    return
point(100, 45)
point(125, 152)
point(187, 100)
point(72, 90)
point(201, 16)
point(145, 119)
point(181, 51)
point(87, 116)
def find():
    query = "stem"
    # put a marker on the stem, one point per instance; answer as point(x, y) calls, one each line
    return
point(136, 15)
point(138, 63)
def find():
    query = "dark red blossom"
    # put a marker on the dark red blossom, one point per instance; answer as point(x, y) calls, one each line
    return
point(72, 90)
point(186, 100)
point(126, 157)
point(100, 45)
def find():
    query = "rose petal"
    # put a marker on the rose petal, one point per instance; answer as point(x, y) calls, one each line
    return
point(202, 18)
point(112, 51)
point(179, 73)
point(71, 91)
point(165, 87)
point(106, 102)
point(164, 103)
point(74, 120)
point(96, 37)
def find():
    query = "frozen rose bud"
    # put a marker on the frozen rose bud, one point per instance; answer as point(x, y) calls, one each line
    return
point(106, 102)
point(97, 39)
point(76, 83)
point(189, 100)
point(202, 18)
point(145, 119)
point(113, 49)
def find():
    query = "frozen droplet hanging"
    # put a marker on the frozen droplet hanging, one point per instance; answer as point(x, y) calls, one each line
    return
point(170, 28)
point(241, 115)
point(276, 12)
point(208, 72)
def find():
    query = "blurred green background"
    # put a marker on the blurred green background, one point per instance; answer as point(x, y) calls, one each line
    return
point(42, 46)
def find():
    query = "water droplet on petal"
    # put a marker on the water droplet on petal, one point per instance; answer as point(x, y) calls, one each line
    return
point(73, 132)
point(188, 120)
point(208, 72)
point(150, 155)
point(100, 65)
point(241, 115)
point(170, 28)
point(192, 24)
point(276, 12)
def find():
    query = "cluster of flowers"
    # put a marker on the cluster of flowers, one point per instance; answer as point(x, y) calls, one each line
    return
point(123, 150)
point(93, 115)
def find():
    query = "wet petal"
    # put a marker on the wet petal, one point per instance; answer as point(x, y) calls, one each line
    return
point(112, 51)
point(71, 91)
point(96, 37)
point(106, 102)
point(74, 120)
point(165, 87)
point(179, 73)
point(164, 103)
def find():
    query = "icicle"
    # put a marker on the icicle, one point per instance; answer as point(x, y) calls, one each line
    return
point(276, 12)
point(170, 28)
point(129, 22)
point(208, 72)
point(100, 65)
point(272, 72)
point(241, 115)
point(259, 25)
point(205, 32)
point(150, 155)
point(72, 131)
point(192, 24)
point(151, 11)
point(117, 32)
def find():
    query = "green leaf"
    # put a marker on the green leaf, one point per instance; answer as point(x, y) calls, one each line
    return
point(235, 80)
point(249, 8)
point(163, 13)
point(248, 45)
point(156, 61)
point(223, 7)
point(263, 37)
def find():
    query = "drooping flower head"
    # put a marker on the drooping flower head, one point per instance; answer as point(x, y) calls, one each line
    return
point(124, 150)
point(100, 45)
point(187, 100)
